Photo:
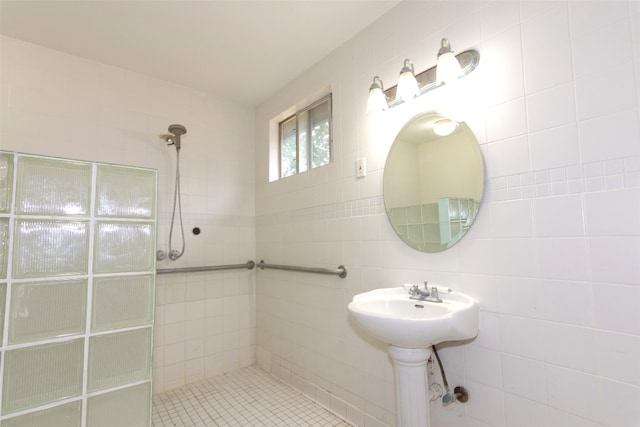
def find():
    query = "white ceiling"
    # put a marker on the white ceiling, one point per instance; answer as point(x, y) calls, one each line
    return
point(243, 50)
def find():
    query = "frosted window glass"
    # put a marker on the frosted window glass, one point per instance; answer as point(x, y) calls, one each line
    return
point(4, 246)
point(129, 407)
point(6, 181)
point(34, 376)
point(126, 192)
point(122, 301)
point(51, 186)
point(124, 246)
point(47, 248)
point(47, 310)
point(120, 358)
point(67, 415)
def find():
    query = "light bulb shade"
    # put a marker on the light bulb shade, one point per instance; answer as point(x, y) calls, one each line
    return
point(444, 127)
point(448, 69)
point(377, 99)
point(407, 88)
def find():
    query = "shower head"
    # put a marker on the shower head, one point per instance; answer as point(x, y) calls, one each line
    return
point(174, 137)
point(177, 130)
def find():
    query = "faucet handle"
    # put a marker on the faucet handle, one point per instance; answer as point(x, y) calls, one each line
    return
point(413, 290)
point(434, 292)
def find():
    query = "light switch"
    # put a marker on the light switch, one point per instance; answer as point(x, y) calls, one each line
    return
point(361, 167)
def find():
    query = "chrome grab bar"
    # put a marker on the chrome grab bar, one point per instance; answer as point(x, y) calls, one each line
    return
point(341, 271)
point(249, 266)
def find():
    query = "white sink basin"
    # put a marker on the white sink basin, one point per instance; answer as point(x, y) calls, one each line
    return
point(391, 316)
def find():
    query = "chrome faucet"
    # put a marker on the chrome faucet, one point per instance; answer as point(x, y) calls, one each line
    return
point(426, 295)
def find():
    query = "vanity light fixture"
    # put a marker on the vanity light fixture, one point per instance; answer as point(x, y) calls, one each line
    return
point(453, 66)
point(444, 127)
point(407, 83)
point(377, 99)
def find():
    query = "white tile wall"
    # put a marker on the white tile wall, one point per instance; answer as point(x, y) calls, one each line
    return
point(61, 105)
point(553, 256)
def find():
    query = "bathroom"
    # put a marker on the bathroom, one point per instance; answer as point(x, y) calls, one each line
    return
point(552, 257)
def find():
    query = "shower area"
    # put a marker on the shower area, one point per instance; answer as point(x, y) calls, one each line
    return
point(78, 290)
point(242, 395)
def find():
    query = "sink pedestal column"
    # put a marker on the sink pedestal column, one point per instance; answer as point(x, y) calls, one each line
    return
point(412, 401)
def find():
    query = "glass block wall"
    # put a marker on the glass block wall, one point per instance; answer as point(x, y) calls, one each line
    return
point(77, 280)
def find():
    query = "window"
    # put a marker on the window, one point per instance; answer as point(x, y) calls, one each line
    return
point(305, 139)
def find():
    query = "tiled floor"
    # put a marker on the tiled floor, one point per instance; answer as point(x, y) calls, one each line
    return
point(247, 397)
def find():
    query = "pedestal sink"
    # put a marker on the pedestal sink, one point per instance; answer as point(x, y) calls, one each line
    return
point(410, 327)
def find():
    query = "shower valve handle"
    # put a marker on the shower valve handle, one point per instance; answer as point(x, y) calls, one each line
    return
point(168, 138)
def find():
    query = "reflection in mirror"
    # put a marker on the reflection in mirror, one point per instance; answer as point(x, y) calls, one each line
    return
point(432, 184)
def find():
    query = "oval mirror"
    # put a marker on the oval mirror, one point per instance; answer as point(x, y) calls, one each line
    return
point(433, 182)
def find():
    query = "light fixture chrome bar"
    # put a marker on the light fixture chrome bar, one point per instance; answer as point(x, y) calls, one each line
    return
point(341, 271)
point(249, 266)
point(468, 59)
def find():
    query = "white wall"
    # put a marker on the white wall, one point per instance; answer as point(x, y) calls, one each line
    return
point(552, 258)
point(61, 105)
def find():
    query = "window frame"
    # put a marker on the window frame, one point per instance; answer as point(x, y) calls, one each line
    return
point(309, 148)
